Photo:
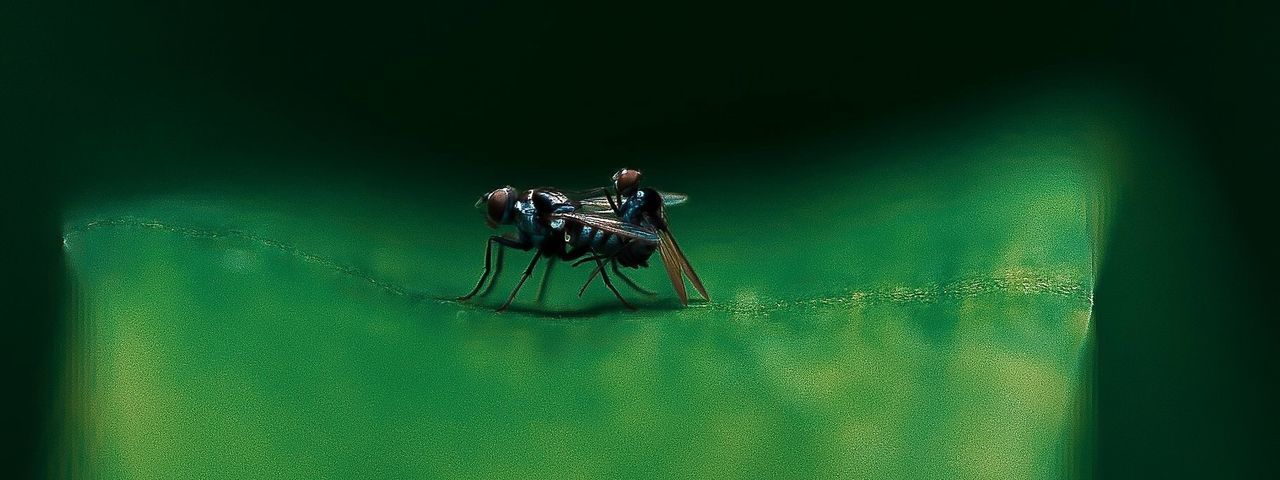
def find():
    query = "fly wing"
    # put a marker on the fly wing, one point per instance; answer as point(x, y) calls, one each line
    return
point(595, 204)
point(597, 199)
point(671, 199)
point(684, 263)
point(674, 260)
point(593, 200)
point(609, 224)
point(672, 265)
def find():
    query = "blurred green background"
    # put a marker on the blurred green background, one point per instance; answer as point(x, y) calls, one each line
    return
point(1000, 240)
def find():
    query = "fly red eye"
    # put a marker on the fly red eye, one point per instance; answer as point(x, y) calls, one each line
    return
point(497, 204)
point(626, 181)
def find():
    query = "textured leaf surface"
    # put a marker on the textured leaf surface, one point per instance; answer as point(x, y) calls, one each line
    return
point(924, 319)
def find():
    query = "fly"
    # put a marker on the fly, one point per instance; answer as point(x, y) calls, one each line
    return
point(628, 203)
point(622, 227)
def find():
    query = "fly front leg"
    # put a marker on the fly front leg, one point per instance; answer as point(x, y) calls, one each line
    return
point(488, 251)
point(497, 271)
point(616, 206)
point(528, 271)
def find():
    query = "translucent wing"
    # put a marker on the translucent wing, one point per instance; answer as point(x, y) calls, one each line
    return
point(678, 254)
point(674, 261)
point(595, 204)
point(609, 224)
point(671, 199)
point(597, 200)
point(673, 269)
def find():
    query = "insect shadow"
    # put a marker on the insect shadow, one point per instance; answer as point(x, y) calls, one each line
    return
point(592, 310)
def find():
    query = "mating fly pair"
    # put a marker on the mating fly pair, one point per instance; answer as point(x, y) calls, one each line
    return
point(618, 226)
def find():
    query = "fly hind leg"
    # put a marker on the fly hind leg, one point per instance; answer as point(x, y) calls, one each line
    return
point(604, 276)
point(618, 272)
point(630, 282)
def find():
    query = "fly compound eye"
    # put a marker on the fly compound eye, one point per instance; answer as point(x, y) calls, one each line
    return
point(497, 203)
point(626, 181)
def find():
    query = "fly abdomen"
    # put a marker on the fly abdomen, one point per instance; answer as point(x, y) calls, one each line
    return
point(635, 254)
point(600, 241)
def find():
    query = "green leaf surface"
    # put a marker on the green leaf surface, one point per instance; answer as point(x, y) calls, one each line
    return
point(922, 319)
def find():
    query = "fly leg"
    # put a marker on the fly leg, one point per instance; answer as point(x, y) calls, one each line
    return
point(579, 251)
point(614, 263)
point(525, 276)
point(542, 286)
point(588, 259)
point(609, 195)
point(618, 272)
point(488, 251)
point(630, 282)
point(607, 283)
point(497, 270)
point(594, 272)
